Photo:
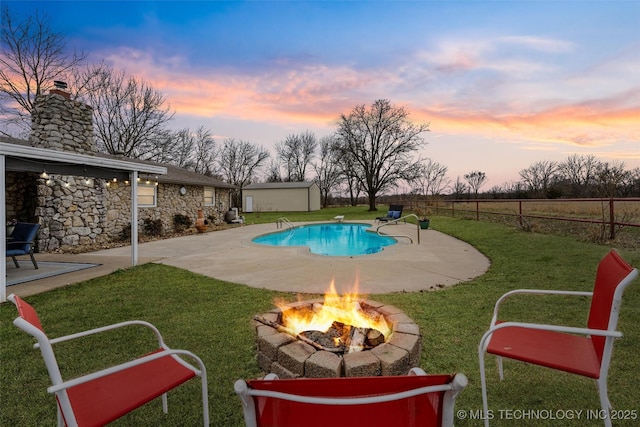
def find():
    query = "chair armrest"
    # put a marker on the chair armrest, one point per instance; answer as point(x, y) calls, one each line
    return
point(494, 319)
point(108, 328)
point(241, 388)
point(123, 366)
point(544, 327)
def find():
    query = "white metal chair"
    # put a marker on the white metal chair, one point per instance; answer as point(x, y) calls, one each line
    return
point(416, 399)
point(582, 351)
point(103, 396)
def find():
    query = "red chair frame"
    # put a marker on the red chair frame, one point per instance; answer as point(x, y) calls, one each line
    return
point(416, 399)
point(582, 351)
point(100, 397)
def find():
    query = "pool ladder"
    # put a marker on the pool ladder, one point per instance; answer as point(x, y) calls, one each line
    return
point(395, 221)
point(282, 221)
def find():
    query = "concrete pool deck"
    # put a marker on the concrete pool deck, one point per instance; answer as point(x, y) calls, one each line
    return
point(438, 261)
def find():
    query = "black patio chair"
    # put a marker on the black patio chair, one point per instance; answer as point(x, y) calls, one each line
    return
point(395, 212)
point(21, 242)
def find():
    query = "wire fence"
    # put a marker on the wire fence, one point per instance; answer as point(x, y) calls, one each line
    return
point(609, 216)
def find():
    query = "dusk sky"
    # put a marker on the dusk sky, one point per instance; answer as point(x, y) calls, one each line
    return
point(503, 84)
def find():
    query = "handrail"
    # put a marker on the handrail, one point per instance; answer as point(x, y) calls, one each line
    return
point(395, 221)
point(282, 220)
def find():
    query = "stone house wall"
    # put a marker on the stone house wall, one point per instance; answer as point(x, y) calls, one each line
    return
point(82, 213)
point(169, 203)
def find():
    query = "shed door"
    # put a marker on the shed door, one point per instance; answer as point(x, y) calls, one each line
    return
point(248, 204)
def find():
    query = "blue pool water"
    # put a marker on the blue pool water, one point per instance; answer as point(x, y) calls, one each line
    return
point(330, 239)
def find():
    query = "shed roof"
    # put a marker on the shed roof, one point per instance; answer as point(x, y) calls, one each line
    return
point(273, 185)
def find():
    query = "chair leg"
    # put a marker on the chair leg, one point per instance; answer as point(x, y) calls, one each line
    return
point(15, 261)
point(483, 381)
point(205, 398)
point(604, 400)
point(500, 368)
point(33, 260)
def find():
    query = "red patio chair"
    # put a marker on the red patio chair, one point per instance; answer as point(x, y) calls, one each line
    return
point(582, 351)
point(100, 397)
point(416, 399)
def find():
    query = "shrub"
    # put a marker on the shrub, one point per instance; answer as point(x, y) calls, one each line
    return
point(153, 227)
point(125, 234)
point(181, 222)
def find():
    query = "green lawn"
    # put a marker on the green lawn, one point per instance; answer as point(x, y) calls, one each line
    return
point(212, 318)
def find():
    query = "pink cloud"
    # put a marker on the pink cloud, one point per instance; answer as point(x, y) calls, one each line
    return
point(318, 94)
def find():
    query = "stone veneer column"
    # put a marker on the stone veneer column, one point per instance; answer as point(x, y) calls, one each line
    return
point(70, 209)
point(59, 123)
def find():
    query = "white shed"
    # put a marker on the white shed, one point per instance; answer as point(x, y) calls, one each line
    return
point(281, 197)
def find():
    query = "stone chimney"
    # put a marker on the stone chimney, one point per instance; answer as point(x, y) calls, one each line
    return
point(60, 89)
point(59, 123)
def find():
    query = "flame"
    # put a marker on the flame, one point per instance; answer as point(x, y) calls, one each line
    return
point(345, 309)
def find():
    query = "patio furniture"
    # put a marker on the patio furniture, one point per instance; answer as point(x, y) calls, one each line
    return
point(103, 396)
point(416, 399)
point(395, 212)
point(581, 351)
point(21, 242)
point(233, 217)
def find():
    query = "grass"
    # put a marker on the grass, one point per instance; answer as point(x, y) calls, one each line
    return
point(212, 318)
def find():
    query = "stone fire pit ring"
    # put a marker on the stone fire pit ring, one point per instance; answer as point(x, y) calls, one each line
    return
point(288, 357)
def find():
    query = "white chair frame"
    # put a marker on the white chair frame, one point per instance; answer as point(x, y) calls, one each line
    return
point(59, 387)
point(609, 333)
point(452, 390)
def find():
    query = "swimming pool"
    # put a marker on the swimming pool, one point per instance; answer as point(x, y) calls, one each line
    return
point(343, 239)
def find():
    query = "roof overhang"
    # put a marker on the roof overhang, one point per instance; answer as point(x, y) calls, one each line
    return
point(24, 158)
point(34, 159)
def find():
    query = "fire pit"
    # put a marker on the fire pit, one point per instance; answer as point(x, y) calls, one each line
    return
point(314, 338)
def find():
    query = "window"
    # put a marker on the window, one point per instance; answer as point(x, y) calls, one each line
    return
point(209, 196)
point(147, 195)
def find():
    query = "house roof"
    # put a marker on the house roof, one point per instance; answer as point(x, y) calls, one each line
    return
point(176, 175)
point(160, 172)
point(21, 156)
point(283, 185)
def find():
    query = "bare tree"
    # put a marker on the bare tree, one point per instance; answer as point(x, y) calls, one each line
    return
point(631, 186)
point(297, 152)
point(539, 176)
point(475, 179)
point(189, 150)
point(205, 151)
point(172, 147)
point(349, 175)
point(459, 188)
point(32, 57)
point(273, 173)
point(240, 161)
point(327, 168)
point(129, 115)
point(610, 178)
point(580, 171)
point(433, 178)
point(382, 143)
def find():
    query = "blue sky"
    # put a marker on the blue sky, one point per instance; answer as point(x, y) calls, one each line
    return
point(503, 84)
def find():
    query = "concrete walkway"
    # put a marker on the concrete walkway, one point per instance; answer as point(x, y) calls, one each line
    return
point(439, 261)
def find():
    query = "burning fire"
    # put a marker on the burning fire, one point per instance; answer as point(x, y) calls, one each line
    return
point(321, 317)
